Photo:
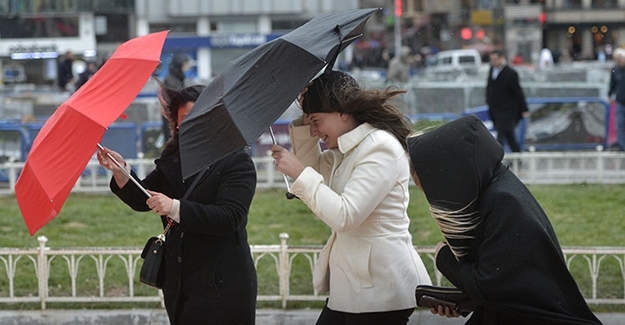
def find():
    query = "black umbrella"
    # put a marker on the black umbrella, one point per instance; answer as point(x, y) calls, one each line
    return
point(252, 91)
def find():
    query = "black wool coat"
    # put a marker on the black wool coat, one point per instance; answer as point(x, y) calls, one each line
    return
point(505, 99)
point(513, 266)
point(210, 274)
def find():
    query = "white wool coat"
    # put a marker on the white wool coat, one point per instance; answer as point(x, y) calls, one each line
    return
point(360, 190)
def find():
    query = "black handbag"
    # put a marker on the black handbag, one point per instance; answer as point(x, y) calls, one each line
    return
point(153, 255)
point(455, 299)
point(153, 269)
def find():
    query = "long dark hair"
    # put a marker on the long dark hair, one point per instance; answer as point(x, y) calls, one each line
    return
point(172, 100)
point(337, 91)
point(374, 106)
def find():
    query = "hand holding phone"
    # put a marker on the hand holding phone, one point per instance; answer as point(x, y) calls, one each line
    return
point(429, 301)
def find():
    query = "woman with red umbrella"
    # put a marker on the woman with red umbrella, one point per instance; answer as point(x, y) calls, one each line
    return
point(210, 276)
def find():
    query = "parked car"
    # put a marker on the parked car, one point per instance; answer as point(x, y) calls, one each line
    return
point(455, 62)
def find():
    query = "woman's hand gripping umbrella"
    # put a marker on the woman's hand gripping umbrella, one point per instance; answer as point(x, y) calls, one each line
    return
point(158, 202)
point(123, 170)
point(289, 195)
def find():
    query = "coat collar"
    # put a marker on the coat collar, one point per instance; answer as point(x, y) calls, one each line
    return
point(351, 139)
point(169, 164)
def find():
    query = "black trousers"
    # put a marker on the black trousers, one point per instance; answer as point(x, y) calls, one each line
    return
point(507, 135)
point(395, 317)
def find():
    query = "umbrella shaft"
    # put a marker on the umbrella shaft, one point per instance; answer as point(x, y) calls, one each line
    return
point(286, 180)
point(125, 172)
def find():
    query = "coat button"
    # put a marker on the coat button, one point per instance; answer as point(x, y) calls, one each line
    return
point(179, 259)
point(181, 234)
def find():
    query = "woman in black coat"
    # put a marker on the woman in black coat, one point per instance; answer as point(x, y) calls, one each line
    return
point(210, 276)
point(501, 249)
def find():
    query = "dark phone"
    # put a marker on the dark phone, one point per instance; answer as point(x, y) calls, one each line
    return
point(429, 301)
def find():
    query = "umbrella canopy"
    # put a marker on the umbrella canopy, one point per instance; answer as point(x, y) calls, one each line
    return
point(252, 91)
point(68, 139)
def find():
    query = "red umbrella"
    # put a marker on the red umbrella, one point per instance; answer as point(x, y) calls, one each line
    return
point(67, 141)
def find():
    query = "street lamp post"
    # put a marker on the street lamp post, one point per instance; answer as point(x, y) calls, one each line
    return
point(398, 14)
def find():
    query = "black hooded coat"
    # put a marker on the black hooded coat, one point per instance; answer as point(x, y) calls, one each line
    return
point(514, 267)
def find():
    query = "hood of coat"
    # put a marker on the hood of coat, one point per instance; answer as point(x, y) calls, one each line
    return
point(455, 162)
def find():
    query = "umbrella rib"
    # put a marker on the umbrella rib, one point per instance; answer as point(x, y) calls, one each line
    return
point(351, 38)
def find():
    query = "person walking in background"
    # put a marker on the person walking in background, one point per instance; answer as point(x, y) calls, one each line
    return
point(616, 92)
point(359, 188)
point(399, 67)
point(500, 249)
point(65, 71)
point(175, 79)
point(84, 76)
point(505, 100)
point(545, 59)
point(210, 276)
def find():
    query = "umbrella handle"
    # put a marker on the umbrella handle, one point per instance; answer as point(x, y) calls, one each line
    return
point(289, 195)
point(125, 172)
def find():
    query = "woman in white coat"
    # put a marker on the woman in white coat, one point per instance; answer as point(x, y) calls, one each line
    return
point(359, 188)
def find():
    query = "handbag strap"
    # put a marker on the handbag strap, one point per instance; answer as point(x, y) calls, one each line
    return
point(170, 222)
point(195, 181)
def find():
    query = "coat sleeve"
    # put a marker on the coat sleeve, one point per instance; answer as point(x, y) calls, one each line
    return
point(518, 93)
point(234, 189)
point(132, 195)
point(612, 87)
point(307, 148)
point(369, 183)
point(488, 85)
point(485, 278)
point(516, 248)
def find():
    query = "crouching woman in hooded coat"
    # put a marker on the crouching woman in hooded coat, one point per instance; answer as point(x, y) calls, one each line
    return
point(501, 249)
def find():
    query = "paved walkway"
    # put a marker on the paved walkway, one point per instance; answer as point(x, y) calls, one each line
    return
point(159, 317)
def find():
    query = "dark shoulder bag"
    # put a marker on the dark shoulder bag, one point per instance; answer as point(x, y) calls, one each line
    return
point(153, 254)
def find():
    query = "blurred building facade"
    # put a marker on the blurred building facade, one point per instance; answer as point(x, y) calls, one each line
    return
point(214, 32)
point(35, 33)
point(584, 28)
point(572, 29)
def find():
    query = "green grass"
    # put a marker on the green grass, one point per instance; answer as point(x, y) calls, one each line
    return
point(582, 215)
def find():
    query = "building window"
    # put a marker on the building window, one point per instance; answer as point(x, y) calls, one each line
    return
point(573, 4)
point(18, 7)
point(114, 28)
point(286, 25)
point(175, 28)
point(39, 27)
point(605, 4)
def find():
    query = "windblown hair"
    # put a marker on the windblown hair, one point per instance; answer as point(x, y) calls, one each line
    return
point(373, 106)
point(172, 101)
point(456, 225)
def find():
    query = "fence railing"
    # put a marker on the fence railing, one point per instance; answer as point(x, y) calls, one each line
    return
point(569, 167)
point(66, 274)
point(549, 167)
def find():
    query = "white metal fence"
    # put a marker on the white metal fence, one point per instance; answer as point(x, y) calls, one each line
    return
point(62, 273)
point(568, 167)
point(596, 269)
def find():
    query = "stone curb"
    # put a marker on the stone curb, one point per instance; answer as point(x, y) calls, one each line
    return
point(159, 317)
